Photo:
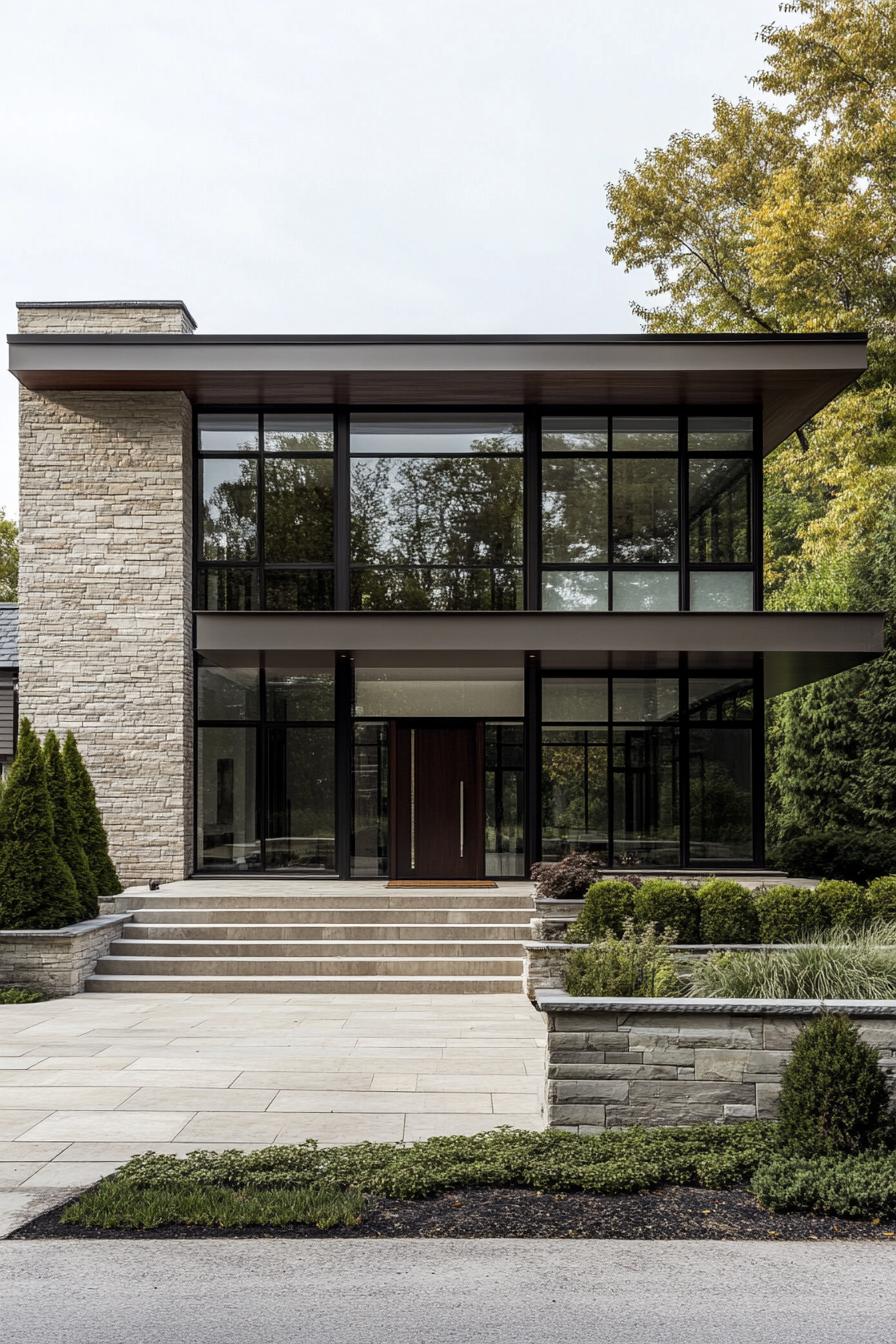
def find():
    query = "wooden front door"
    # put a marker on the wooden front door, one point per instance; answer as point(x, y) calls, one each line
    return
point(436, 813)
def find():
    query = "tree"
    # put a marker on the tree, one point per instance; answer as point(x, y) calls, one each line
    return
point(782, 217)
point(9, 559)
point(65, 830)
point(37, 890)
point(88, 820)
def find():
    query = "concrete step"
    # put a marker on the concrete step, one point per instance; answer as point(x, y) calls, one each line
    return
point(269, 967)
point(303, 984)
point(139, 931)
point(349, 915)
point(311, 947)
point(384, 900)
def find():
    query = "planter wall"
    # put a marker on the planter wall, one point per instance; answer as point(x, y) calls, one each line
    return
point(57, 961)
point(613, 1062)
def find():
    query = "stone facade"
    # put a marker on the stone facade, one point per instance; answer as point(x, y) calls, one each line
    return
point(72, 319)
point(613, 1062)
point(58, 961)
point(105, 639)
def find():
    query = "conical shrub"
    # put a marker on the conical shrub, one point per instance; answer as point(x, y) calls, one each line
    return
point(65, 829)
point(88, 820)
point(37, 890)
point(834, 1096)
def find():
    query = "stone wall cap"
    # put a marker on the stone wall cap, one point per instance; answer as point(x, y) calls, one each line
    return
point(69, 930)
point(107, 303)
point(554, 1000)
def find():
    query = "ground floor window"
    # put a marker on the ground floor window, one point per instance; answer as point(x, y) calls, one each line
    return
point(296, 776)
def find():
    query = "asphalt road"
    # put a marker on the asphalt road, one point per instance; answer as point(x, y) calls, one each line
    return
point(425, 1292)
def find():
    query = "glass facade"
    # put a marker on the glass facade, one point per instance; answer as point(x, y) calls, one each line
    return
point(627, 775)
point(476, 511)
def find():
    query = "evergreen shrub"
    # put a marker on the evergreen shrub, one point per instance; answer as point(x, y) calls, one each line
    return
point(37, 890)
point(88, 820)
point(881, 896)
point(854, 856)
point(788, 914)
point(608, 904)
point(834, 1099)
point(669, 905)
point(727, 912)
point(845, 903)
point(65, 830)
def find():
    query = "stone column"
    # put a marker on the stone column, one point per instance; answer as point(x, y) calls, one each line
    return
point(105, 634)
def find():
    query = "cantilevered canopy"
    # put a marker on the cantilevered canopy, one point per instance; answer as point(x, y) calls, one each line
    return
point(797, 648)
point(791, 377)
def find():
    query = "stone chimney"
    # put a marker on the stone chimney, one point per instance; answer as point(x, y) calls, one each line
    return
point(169, 317)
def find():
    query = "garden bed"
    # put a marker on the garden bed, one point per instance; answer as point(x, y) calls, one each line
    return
point(669, 1213)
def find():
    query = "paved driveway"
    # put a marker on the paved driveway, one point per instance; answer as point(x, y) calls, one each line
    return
point(87, 1082)
point(447, 1292)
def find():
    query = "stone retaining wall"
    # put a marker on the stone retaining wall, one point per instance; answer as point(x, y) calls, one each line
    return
point(57, 961)
point(613, 1062)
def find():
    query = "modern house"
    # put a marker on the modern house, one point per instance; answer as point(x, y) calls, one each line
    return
point(419, 607)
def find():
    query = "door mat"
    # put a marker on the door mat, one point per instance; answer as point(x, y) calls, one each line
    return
point(403, 883)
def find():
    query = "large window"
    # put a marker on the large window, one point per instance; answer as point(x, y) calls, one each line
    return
point(266, 766)
point(476, 511)
point(612, 493)
point(625, 776)
point(436, 512)
point(266, 534)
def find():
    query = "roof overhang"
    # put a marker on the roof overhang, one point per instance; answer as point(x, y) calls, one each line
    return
point(796, 648)
point(790, 377)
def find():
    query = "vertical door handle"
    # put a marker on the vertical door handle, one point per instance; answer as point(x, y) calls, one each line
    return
point(461, 819)
point(413, 800)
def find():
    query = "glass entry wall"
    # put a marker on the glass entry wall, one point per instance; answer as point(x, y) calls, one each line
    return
point(628, 775)
point(266, 772)
point(389, 701)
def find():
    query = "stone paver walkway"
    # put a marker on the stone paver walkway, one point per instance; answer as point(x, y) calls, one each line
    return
point(87, 1082)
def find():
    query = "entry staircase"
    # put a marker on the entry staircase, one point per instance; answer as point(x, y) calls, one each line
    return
point(292, 937)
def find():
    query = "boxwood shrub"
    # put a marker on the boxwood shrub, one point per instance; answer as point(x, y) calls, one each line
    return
point(845, 903)
point(668, 905)
point(854, 856)
point(881, 897)
point(727, 912)
point(788, 914)
point(608, 904)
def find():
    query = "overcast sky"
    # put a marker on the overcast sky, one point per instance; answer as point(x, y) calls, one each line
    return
point(343, 165)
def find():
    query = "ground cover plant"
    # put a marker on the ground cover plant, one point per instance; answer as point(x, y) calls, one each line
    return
point(18, 994)
point(152, 1190)
point(836, 964)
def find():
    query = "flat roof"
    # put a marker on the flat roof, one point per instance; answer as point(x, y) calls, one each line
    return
point(791, 376)
point(798, 648)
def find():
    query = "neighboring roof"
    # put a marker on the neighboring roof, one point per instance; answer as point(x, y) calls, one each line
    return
point(9, 634)
point(792, 376)
point(797, 647)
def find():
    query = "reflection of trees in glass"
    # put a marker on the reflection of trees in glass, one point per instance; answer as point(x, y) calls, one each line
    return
point(574, 784)
point(442, 532)
point(298, 510)
point(574, 510)
point(645, 511)
point(291, 441)
point(228, 509)
point(719, 510)
point(720, 789)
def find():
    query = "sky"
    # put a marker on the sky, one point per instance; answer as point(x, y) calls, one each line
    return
point(343, 165)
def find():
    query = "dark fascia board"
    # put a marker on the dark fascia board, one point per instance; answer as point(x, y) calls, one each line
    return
point(791, 377)
point(361, 338)
point(798, 647)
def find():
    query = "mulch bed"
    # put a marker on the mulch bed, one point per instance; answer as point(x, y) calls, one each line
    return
point(671, 1213)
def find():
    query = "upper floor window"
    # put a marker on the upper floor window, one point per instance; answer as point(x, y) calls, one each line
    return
point(436, 512)
point(614, 493)
point(266, 512)
point(631, 512)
